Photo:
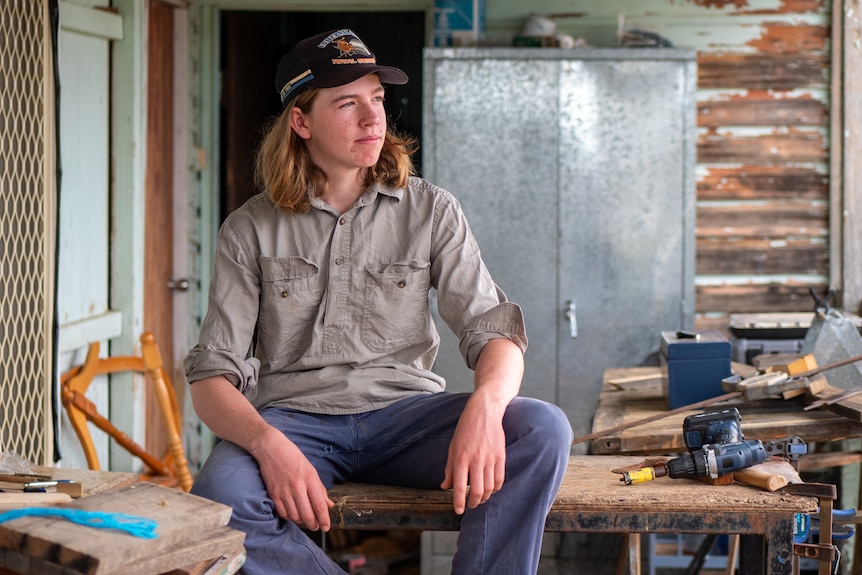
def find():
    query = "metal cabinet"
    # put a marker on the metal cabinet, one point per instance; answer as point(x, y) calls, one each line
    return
point(576, 171)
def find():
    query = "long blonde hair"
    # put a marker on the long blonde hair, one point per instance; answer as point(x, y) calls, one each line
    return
point(284, 168)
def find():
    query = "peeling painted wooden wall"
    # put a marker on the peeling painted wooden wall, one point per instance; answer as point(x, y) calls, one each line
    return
point(763, 133)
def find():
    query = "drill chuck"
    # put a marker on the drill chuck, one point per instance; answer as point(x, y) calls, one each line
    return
point(690, 465)
point(717, 460)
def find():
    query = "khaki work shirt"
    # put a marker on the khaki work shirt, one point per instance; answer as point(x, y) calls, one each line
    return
point(329, 313)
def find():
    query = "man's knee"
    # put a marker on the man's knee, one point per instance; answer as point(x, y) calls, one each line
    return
point(546, 421)
point(231, 476)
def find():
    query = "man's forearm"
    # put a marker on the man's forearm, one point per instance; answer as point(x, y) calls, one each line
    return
point(228, 413)
point(499, 371)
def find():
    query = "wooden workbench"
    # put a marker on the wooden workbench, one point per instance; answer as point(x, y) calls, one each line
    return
point(593, 499)
point(765, 420)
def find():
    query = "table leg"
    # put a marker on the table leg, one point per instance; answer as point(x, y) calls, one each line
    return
point(633, 544)
point(771, 553)
point(732, 553)
point(751, 555)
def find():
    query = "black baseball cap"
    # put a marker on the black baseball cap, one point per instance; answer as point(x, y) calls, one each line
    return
point(328, 60)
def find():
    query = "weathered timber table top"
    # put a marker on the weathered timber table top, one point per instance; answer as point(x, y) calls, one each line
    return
point(591, 498)
point(642, 397)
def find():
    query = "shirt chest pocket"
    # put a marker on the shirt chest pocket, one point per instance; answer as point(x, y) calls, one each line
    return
point(290, 298)
point(395, 305)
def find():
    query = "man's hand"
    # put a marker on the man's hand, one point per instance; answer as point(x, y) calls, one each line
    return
point(292, 482)
point(477, 453)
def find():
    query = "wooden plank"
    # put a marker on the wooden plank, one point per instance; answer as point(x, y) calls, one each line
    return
point(793, 146)
point(92, 481)
point(756, 298)
point(829, 459)
point(770, 220)
point(92, 21)
point(613, 403)
point(762, 182)
point(227, 564)
point(837, 211)
point(759, 108)
point(800, 6)
point(848, 193)
point(719, 322)
point(18, 563)
point(209, 546)
point(158, 215)
point(788, 37)
point(19, 500)
point(761, 71)
point(100, 551)
point(850, 408)
point(761, 256)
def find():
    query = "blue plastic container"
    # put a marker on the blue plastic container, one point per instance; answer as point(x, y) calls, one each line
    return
point(694, 365)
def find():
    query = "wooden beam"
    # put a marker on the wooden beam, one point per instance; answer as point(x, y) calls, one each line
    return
point(851, 192)
point(762, 182)
point(759, 108)
point(764, 220)
point(756, 298)
point(762, 256)
point(761, 71)
point(791, 146)
point(836, 159)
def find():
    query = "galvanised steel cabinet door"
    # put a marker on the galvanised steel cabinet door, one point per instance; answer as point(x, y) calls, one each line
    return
point(576, 171)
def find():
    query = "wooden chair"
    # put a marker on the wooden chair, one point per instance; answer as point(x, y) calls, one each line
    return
point(171, 469)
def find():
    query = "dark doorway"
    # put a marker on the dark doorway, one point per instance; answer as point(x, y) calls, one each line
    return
point(252, 43)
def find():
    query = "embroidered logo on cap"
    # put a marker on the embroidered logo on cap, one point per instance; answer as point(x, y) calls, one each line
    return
point(351, 50)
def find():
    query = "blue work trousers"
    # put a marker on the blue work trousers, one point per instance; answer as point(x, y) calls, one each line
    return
point(404, 444)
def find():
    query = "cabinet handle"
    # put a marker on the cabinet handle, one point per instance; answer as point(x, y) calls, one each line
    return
point(573, 321)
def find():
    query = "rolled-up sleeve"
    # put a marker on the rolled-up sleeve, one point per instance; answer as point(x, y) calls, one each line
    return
point(203, 362)
point(469, 301)
point(225, 343)
point(504, 321)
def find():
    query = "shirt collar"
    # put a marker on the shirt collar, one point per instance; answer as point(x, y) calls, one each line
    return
point(377, 188)
point(368, 197)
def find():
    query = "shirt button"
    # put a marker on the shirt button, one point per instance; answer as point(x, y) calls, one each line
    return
point(285, 293)
point(339, 260)
point(342, 220)
point(402, 284)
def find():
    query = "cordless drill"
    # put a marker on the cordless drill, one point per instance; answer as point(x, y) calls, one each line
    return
point(716, 446)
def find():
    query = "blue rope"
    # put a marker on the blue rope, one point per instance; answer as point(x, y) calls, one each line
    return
point(138, 526)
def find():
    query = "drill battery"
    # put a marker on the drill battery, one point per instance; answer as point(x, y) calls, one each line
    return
point(721, 427)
